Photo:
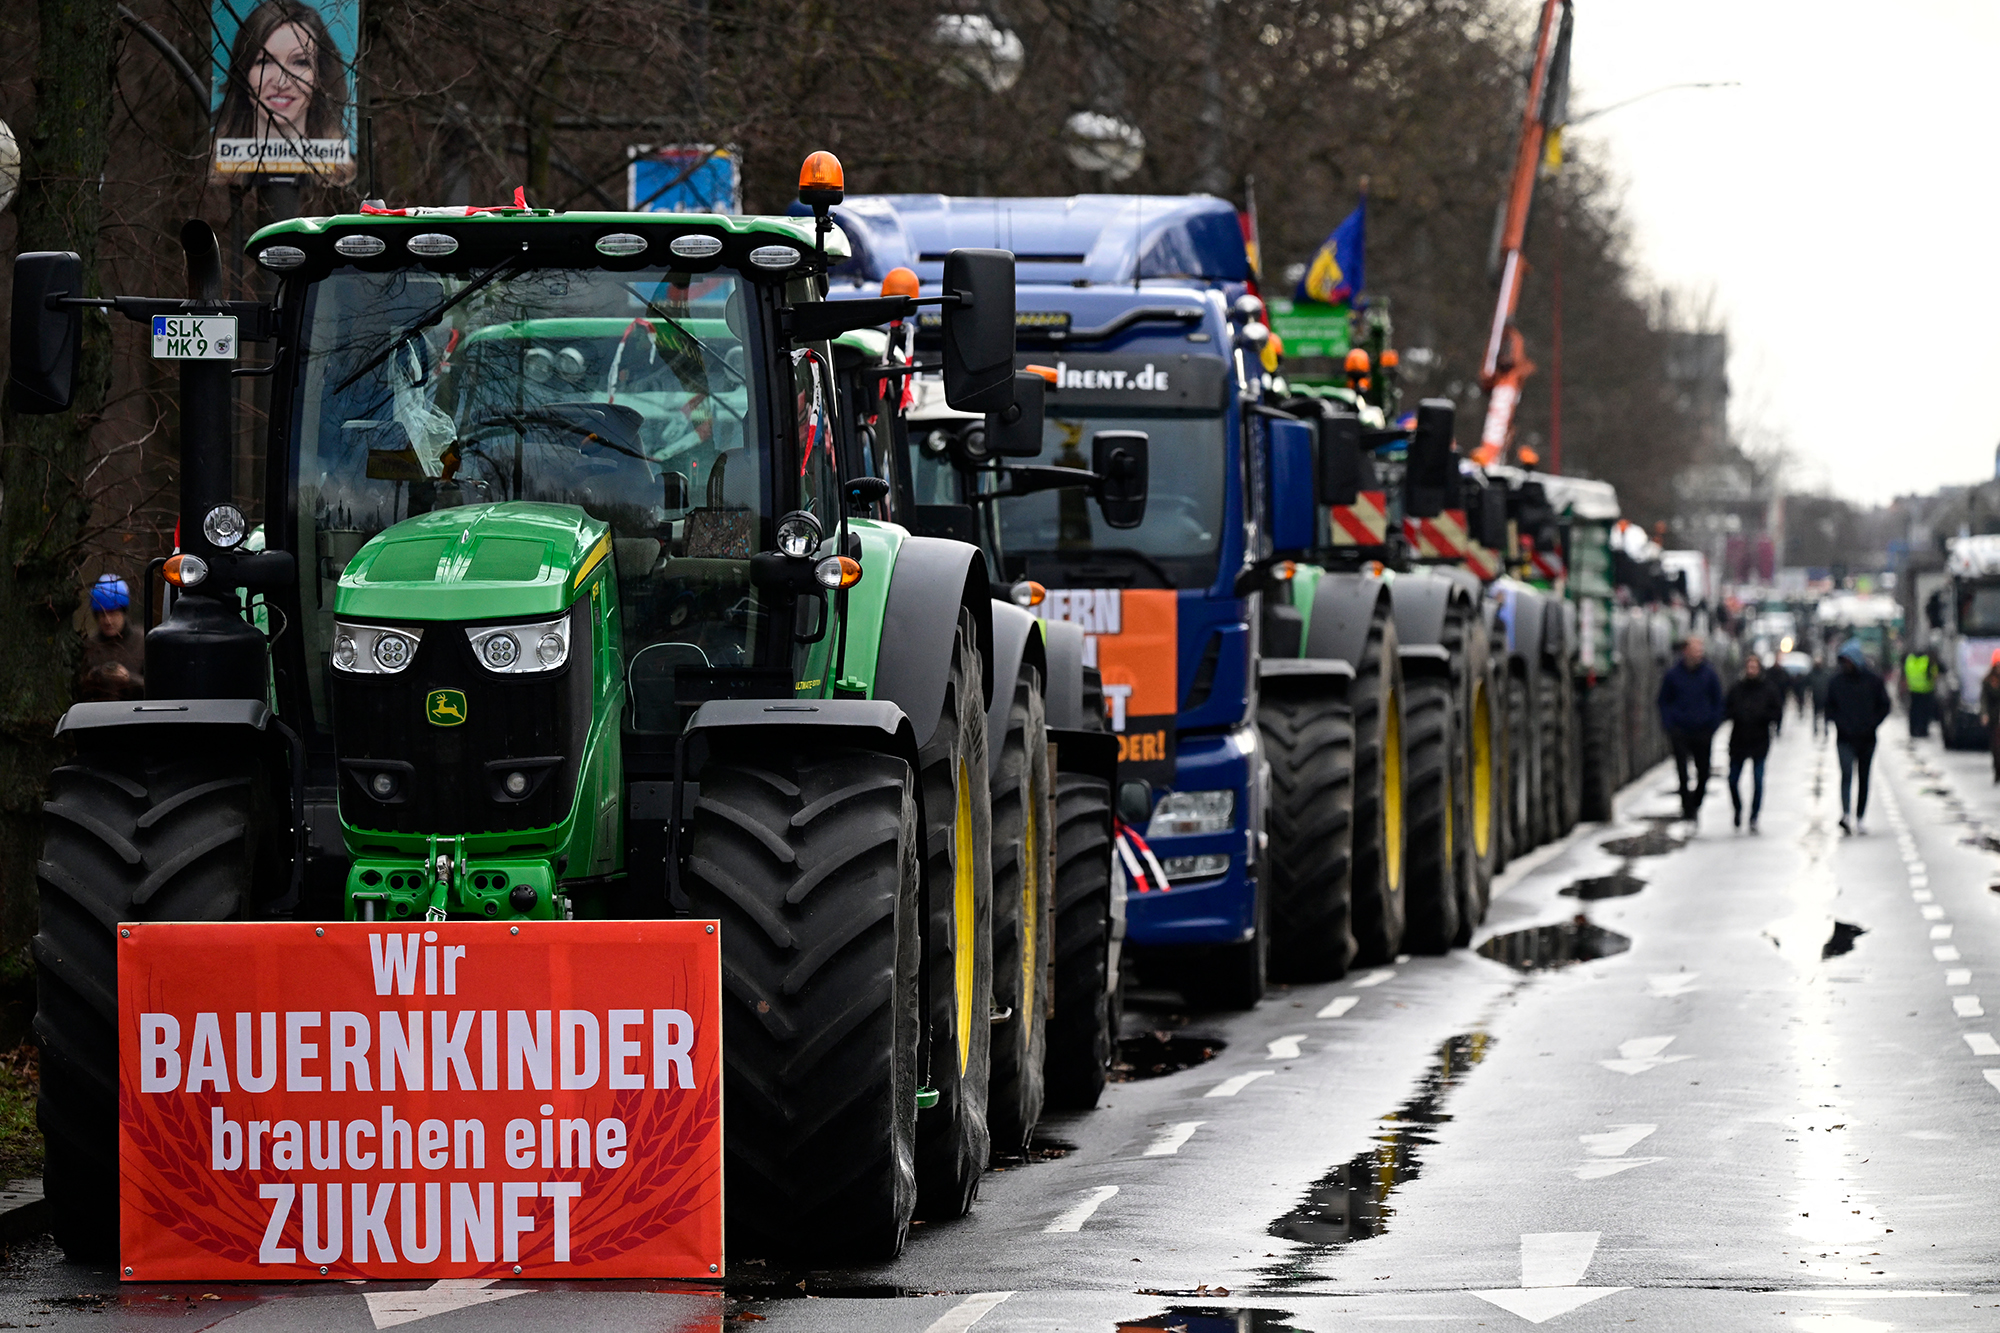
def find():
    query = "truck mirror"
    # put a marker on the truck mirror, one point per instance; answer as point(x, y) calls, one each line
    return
point(1288, 455)
point(1118, 457)
point(1016, 432)
point(674, 486)
point(979, 330)
point(1339, 459)
point(45, 343)
point(1433, 472)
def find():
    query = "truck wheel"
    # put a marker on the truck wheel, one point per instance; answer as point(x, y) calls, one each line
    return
point(1023, 920)
point(1602, 709)
point(1082, 1023)
point(1429, 802)
point(131, 837)
point(808, 857)
point(953, 1141)
point(1479, 835)
point(1376, 696)
point(1309, 740)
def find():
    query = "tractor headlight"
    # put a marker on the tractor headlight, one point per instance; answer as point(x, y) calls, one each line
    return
point(1185, 813)
point(224, 526)
point(498, 647)
point(798, 534)
point(374, 650)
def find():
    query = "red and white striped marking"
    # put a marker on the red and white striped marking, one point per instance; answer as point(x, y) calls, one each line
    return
point(1484, 563)
point(1548, 565)
point(1363, 523)
point(1440, 538)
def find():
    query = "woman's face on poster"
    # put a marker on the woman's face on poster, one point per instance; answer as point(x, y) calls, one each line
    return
point(282, 77)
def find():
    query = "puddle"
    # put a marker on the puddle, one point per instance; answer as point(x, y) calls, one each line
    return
point(1842, 939)
point(1156, 1054)
point(1620, 885)
point(1352, 1201)
point(1039, 1150)
point(1655, 841)
point(1540, 948)
point(1210, 1319)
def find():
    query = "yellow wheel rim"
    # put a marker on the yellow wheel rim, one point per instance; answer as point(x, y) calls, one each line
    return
point(1482, 770)
point(1031, 884)
point(1392, 788)
point(962, 910)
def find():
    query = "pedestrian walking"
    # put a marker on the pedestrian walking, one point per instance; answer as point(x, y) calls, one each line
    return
point(1816, 683)
point(114, 657)
point(1989, 710)
point(1753, 706)
point(1690, 710)
point(1856, 703)
point(1920, 676)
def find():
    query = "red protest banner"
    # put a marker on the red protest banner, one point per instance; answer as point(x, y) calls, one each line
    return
point(437, 1099)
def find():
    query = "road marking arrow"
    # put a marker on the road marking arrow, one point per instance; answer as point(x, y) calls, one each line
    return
point(1172, 1137)
point(1615, 1141)
point(1612, 1166)
point(1229, 1087)
point(1284, 1048)
point(390, 1308)
point(1640, 1054)
point(1552, 1263)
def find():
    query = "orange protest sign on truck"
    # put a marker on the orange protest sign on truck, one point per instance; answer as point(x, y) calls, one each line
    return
point(440, 1099)
point(1131, 635)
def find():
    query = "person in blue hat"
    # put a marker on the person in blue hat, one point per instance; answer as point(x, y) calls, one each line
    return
point(1856, 703)
point(114, 657)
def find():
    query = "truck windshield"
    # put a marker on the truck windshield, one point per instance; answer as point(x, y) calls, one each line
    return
point(1979, 612)
point(1061, 538)
point(569, 386)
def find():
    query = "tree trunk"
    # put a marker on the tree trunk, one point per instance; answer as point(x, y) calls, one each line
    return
point(42, 511)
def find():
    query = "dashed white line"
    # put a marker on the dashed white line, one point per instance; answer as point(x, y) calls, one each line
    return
point(1982, 1043)
point(1945, 953)
point(968, 1312)
point(1992, 1076)
point(1920, 881)
point(1921, 896)
point(1073, 1217)
point(1338, 1005)
point(1284, 1048)
point(1375, 978)
point(1665, 986)
point(1958, 976)
point(1967, 1006)
point(1172, 1137)
point(1940, 932)
point(1229, 1087)
point(1932, 912)
point(1919, 868)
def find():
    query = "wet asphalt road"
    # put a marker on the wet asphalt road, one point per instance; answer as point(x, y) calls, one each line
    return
point(1722, 1122)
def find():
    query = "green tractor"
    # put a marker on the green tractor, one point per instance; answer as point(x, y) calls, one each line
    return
point(565, 609)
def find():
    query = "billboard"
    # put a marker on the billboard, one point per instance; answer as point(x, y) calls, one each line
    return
point(461, 1099)
point(282, 99)
point(684, 178)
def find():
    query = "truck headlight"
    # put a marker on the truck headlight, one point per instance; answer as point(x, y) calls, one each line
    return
point(1195, 867)
point(498, 647)
point(374, 650)
point(1182, 813)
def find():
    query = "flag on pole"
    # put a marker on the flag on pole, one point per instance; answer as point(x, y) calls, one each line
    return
point(1334, 275)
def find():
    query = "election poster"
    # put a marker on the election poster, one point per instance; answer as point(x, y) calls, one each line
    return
point(1131, 635)
point(282, 97)
point(436, 1100)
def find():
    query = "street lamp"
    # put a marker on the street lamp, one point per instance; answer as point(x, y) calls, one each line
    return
point(1104, 144)
point(979, 51)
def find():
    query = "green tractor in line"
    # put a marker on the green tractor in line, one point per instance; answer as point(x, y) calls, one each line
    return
point(565, 608)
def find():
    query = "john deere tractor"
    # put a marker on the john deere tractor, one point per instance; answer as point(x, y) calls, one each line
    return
point(563, 610)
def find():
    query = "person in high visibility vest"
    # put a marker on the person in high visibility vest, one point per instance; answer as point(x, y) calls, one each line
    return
point(1920, 675)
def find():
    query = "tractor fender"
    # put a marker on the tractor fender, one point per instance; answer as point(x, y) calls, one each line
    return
point(932, 580)
point(1343, 605)
point(96, 720)
point(1017, 642)
point(1424, 659)
point(1062, 643)
point(1304, 668)
point(1422, 601)
point(1521, 610)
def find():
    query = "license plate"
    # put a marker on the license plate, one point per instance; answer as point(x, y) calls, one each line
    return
point(194, 337)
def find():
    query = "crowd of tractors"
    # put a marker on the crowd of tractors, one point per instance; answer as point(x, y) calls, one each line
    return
point(952, 597)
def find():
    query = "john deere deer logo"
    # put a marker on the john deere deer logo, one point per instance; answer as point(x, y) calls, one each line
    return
point(445, 708)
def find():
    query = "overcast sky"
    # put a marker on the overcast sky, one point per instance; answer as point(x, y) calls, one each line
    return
point(1840, 206)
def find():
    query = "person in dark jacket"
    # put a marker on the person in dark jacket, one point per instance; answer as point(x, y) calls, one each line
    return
point(1753, 706)
point(1690, 711)
point(1816, 682)
point(1856, 703)
point(1989, 710)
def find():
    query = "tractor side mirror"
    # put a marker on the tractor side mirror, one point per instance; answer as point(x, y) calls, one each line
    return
point(1016, 432)
point(1118, 457)
point(45, 343)
point(675, 491)
point(1135, 803)
point(1433, 474)
point(1339, 481)
point(979, 330)
point(1288, 458)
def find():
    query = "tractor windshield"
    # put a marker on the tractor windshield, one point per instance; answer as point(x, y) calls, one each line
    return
point(1061, 538)
point(627, 394)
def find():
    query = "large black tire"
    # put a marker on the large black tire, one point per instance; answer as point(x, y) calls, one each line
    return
point(953, 1140)
point(1523, 768)
point(1023, 921)
point(1479, 835)
point(132, 836)
point(1429, 802)
point(1083, 1024)
point(1549, 741)
point(1569, 724)
point(1309, 741)
point(1602, 758)
point(809, 858)
point(1376, 696)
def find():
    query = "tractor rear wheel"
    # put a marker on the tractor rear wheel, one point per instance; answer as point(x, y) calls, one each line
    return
point(1549, 738)
point(1481, 789)
point(1523, 764)
point(133, 835)
point(1602, 749)
point(1083, 1023)
point(1376, 696)
point(809, 859)
point(1309, 740)
point(1433, 896)
point(953, 1138)
point(1023, 920)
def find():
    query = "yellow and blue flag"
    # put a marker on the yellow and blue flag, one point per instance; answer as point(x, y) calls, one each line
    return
point(1334, 275)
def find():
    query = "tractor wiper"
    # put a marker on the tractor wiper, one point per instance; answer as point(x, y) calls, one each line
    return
point(436, 313)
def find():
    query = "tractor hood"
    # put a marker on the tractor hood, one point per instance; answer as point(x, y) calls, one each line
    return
point(475, 562)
